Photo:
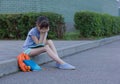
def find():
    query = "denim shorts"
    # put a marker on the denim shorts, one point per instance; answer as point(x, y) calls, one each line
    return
point(27, 51)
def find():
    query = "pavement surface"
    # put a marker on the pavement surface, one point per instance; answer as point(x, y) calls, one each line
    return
point(99, 65)
point(12, 48)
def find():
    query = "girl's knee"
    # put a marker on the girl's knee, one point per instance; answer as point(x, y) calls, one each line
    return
point(46, 47)
point(49, 41)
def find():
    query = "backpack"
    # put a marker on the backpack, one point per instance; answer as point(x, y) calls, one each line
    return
point(20, 59)
point(26, 64)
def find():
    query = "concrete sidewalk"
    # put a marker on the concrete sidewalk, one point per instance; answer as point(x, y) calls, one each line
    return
point(10, 49)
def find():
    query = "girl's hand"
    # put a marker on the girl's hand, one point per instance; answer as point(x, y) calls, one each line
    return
point(44, 30)
point(43, 37)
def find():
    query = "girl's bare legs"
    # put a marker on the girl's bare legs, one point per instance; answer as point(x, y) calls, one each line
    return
point(52, 52)
point(52, 46)
point(54, 56)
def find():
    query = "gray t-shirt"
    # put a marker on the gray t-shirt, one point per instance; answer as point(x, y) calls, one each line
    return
point(29, 42)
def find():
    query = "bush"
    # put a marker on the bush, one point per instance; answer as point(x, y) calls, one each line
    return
point(16, 26)
point(94, 24)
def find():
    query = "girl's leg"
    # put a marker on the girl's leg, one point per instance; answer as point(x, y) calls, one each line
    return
point(52, 46)
point(37, 51)
point(53, 55)
point(62, 65)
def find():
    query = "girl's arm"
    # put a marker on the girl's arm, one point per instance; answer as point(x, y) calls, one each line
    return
point(43, 37)
point(35, 39)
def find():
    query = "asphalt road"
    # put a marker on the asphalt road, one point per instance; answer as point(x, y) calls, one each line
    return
point(96, 66)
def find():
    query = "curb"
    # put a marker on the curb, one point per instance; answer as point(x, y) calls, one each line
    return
point(11, 66)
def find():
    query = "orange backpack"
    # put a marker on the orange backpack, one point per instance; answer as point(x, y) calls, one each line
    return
point(20, 58)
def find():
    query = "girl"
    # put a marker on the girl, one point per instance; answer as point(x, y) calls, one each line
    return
point(38, 35)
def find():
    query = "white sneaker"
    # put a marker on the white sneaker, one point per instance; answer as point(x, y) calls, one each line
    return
point(65, 66)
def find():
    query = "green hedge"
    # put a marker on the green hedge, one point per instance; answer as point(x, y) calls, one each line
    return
point(16, 26)
point(96, 24)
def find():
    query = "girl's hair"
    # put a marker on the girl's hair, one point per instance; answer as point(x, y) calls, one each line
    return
point(42, 22)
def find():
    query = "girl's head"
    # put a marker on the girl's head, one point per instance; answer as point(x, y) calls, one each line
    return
point(42, 23)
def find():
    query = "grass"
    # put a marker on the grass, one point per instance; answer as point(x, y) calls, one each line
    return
point(76, 36)
point(71, 35)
